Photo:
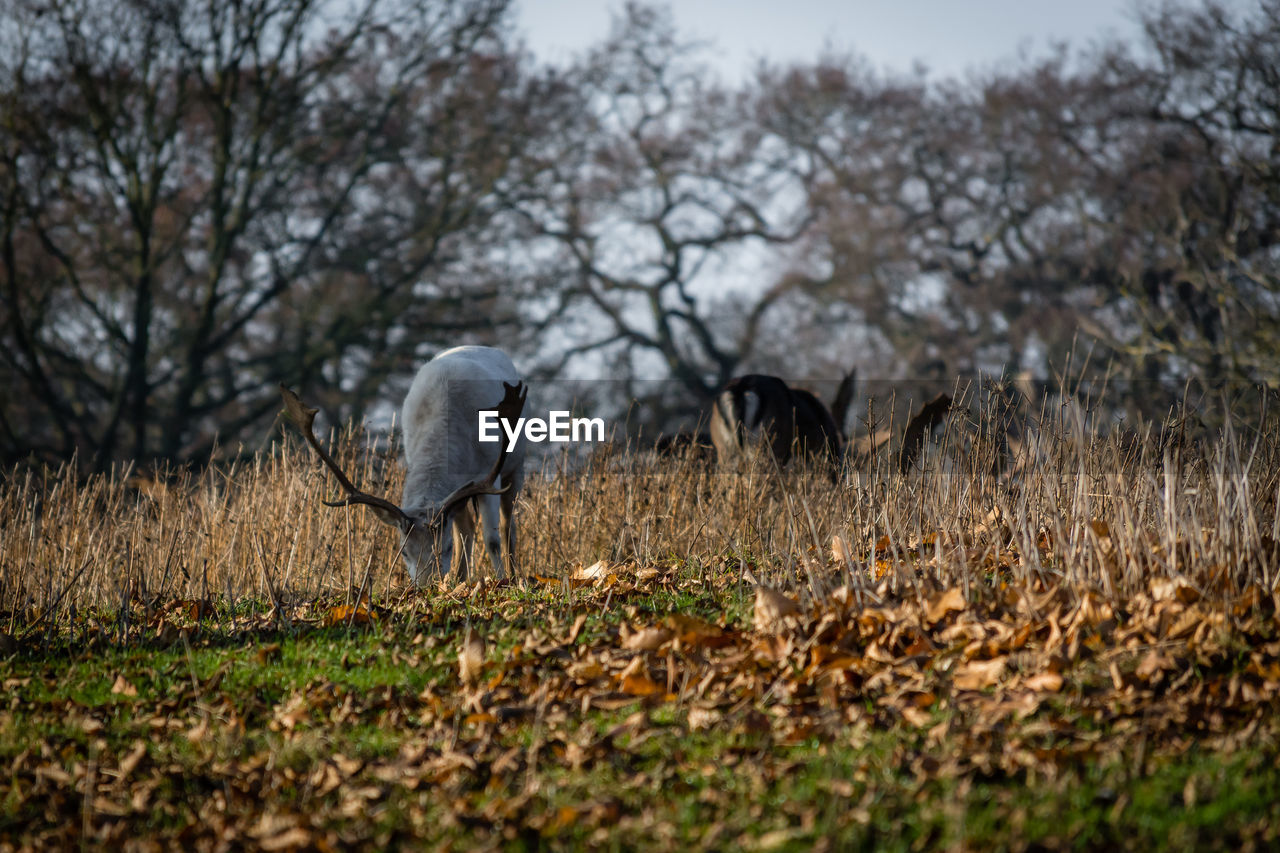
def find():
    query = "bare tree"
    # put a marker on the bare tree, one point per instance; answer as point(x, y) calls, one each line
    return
point(203, 197)
point(198, 199)
point(650, 181)
point(1191, 211)
point(1125, 198)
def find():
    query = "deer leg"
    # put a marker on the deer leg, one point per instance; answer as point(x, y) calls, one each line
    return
point(506, 523)
point(489, 524)
point(464, 538)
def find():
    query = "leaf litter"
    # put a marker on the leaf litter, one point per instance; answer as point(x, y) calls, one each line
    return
point(1006, 683)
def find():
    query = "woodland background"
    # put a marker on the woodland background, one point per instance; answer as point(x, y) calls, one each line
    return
point(200, 200)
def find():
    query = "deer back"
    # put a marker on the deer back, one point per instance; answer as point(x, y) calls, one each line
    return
point(441, 426)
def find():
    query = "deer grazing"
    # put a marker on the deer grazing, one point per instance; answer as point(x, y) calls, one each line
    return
point(451, 475)
point(757, 410)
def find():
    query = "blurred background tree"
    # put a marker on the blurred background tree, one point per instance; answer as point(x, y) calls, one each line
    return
point(645, 200)
point(204, 198)
point(201, 199)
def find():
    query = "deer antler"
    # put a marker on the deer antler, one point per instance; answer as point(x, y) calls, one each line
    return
point(508, 410)
point(303, 416)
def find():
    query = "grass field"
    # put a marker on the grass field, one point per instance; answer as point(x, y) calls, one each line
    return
point(1067, 641)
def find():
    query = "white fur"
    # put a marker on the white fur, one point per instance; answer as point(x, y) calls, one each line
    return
point(742, 435)
point(442, 452)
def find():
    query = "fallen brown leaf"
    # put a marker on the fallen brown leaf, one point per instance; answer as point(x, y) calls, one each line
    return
point(951, 601)
point(346, 614)
point(703, 718)
point(647, 639)
point(597, 571)
point(642, 685)
point(1153, 663)
point(979, 674)
point(122, 687)
point(772, 610)
point(1048, 682)
point(130, 762)
point(471, 657)
point(840, 552)
point(199, 731)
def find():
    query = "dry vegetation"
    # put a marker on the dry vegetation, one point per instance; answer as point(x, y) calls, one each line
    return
point(1056, 505)
point(1059, 638)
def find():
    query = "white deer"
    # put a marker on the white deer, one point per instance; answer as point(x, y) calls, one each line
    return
point(450, 472)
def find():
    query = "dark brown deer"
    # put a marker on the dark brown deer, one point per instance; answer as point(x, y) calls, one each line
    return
point(756, 411)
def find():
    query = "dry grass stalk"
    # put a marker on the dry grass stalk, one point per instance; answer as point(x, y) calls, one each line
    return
point(1099, 515)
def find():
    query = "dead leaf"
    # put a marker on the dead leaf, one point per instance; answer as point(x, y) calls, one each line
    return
point(840, 552)
point(566, 817)
point(642, 685)
point(951, 601)
point(1048, 682)
point(279, 832)
point(54, 774)
point(346, 614)
point(917, 717)
point(471, 657)
point(268, 653)
point(776, 838)
point(585, 670)
point(703, 718)
point(296, 710)
point(695, 632)
point(609, 701)
point(130, 762)
point(979, 674)
point(199, 731)
point(166, 632)
point(1153, 663)
point(122, 687)
point(597, 571)
point(577, 628)
point(647, 639)
point(1117, 679)
point(198, 609)
point(772, 610)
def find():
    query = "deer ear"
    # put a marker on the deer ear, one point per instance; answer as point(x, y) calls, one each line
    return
point(844, 399)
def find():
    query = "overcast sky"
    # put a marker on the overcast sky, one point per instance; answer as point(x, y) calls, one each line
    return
point(948, 36)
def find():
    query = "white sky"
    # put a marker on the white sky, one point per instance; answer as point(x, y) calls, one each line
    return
point(948, 36)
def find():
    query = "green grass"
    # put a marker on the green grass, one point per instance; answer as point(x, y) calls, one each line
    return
point(657, 780)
